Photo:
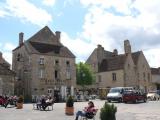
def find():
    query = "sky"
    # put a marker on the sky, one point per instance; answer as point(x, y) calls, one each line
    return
point(84, 24)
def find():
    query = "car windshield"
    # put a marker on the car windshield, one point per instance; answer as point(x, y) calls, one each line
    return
point(152, 92)
point(129, 92)
point(115, 90)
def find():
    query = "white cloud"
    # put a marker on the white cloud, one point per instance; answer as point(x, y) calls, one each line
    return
point(3, 13)
point(109, 22)
point(79, 47)
point(7, 51)
point(8, 47)
point(152, 56)
point(8, 56)
point(49, 2)
point(26, 12)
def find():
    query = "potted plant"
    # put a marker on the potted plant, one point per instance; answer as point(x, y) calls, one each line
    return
point(69, 106)
point(20, 102)
point(108, 112)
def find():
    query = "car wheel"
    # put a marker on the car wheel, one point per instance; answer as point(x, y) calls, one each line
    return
point(120, 100)
point(135, 101)
point(149, 98)
point(154, 98)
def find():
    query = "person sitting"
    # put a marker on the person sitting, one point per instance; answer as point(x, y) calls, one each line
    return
point(87, 112)
point(46, 102)
point(49, 101)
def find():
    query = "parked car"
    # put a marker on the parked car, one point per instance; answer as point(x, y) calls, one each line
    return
point(153, 95)
point(134, 96)
point(116, 93)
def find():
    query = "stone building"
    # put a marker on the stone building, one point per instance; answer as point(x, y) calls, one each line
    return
point(155, 78)
point(120, 70)
point(6, 77)
point(43, 65)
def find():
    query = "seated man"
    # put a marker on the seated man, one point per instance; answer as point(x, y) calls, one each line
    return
point(45, 103)
point(88, 111)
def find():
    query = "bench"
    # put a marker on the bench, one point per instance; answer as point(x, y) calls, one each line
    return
point(38, 106)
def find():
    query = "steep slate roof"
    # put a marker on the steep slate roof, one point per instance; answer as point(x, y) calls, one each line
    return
point(155, 71)
point(112, 63)
point(135, 56)
point(116, 62)
point(45, 42)
point(45, 35)
point(108, 53)
point(5, 70)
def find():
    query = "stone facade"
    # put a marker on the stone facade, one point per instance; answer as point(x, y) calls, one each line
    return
point(6, 78)
point(155, 78)
point(120, 70)
point(44, 66)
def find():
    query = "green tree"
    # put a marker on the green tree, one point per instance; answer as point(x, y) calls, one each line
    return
point(85, 75)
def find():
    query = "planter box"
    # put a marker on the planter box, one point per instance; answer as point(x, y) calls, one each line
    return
point(19, 105)
point(69, 111)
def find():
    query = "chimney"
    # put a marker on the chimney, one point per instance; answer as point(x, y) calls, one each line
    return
point(127, 47)
point(0, 56)
point(21, 38)
point(115, 52)
point(58, 35)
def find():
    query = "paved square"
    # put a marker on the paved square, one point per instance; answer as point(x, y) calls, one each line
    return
point(142, 111)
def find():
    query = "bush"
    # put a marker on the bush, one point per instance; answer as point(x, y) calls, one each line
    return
point(20, 99)
point(70, 102)
point(108, 112)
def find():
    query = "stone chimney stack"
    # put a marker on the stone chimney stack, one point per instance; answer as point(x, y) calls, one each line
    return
point(58, 35)
point(21, 38)
point(0, 56)
point(115, 52)
point(127, 47)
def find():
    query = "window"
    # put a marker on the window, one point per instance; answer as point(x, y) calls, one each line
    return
point(41, 60)
point(138, 76)
point(56, 62)
point(18, 57)
point(49, 91)
point(56, 74)
point(68, 73)
point(128, 66)
point(113, 76)
point(148, 76)
point(68, 70)
point(144, 76)
point(41, 73)
point(68, 64)
point(99, 78)
point(29, 59)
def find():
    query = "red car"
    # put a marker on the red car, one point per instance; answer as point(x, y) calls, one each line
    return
point(134, 96)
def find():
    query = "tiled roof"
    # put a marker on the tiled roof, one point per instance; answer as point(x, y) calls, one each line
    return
point(117, 62)
point(45, 35)
point(45, 42)
point(112, 63)
point(45, 48)
point(5, 70)
point(155, 71)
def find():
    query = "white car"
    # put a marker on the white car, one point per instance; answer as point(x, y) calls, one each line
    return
point(153, 95)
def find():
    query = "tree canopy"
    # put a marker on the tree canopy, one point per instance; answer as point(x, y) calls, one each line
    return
point(85, 75)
